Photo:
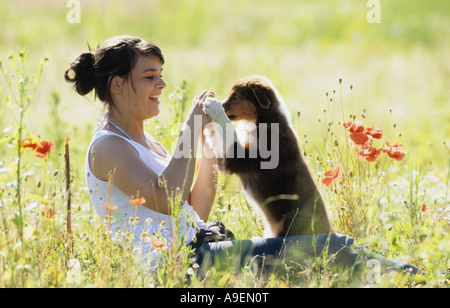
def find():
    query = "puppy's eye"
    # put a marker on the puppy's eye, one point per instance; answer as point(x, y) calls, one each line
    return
point(235, 97)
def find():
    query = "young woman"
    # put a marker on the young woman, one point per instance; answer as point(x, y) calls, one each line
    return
point(124, 162)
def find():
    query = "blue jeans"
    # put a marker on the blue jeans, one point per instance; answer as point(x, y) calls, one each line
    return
point(265, 252)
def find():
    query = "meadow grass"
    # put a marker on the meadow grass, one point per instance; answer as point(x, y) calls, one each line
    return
point(398, 73)
point(401, 215)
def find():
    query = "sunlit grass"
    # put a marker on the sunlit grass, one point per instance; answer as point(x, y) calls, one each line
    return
point(396, 211)
point(399, 73)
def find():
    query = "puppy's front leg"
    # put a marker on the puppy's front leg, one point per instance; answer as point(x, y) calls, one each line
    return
point(222, 138)
point(212, 107)
point(221, 134)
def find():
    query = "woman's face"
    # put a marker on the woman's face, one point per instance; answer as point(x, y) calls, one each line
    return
point(144, 87)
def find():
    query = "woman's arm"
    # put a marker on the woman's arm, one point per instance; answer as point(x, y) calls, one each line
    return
point(204, 189)
point(114, 159)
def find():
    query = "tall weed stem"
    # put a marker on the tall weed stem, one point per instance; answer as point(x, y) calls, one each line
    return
point(20, 96)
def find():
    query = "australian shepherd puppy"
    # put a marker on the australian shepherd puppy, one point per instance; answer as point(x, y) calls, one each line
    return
point(280, 183)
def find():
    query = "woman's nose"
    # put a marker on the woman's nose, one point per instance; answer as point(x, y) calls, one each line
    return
point(161, 84)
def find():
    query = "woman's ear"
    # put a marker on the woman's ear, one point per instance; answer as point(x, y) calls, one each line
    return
point(116, 84)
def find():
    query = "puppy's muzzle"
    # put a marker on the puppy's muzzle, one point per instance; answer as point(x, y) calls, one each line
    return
point(226, 107)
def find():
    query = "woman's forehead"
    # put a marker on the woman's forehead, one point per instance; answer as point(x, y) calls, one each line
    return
point(148, 63)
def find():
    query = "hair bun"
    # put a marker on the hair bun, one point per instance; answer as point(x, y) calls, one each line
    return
point(82, 73)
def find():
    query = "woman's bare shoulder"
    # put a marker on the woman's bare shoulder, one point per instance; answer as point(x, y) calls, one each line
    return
point(108, 153)
point(112, 144)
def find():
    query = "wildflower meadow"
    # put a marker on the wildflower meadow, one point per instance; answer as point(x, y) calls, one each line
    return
point(368, 95)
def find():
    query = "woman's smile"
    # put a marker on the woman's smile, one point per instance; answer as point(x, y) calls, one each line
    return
point(155, 98)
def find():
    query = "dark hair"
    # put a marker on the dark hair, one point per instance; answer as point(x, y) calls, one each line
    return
point(116, 57)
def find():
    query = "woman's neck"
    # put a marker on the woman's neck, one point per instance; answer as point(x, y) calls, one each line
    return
point(133, 128)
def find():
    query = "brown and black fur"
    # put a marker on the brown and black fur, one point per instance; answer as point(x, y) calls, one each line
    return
point(297, 207)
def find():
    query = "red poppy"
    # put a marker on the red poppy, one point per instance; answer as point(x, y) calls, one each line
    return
point(158, 243)
point(331, 175)
point(354, 127)
point(110, 207)
point(29, 143)
point(395, 151)
point(137, 201)
point(375, 132)
point(43, 148)
point(48, 212)
point(360, 139)
point(368, 153)
point(425, 208)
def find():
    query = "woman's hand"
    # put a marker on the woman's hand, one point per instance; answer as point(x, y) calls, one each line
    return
point(197, 110)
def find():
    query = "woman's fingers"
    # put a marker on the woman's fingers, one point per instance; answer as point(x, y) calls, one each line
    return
point(205, 95)
point(198, 107)
point(202, 96)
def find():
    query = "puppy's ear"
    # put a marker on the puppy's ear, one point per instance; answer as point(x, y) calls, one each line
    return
point(262, 95)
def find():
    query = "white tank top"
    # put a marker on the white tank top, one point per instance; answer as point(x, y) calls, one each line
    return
point(149, 221)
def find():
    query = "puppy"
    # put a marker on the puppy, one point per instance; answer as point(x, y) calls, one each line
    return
point(285, 190)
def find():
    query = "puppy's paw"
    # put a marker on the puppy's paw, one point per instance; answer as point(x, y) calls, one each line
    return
point(212, 107)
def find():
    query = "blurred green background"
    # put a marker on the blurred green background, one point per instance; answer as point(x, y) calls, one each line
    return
point(303, 46)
